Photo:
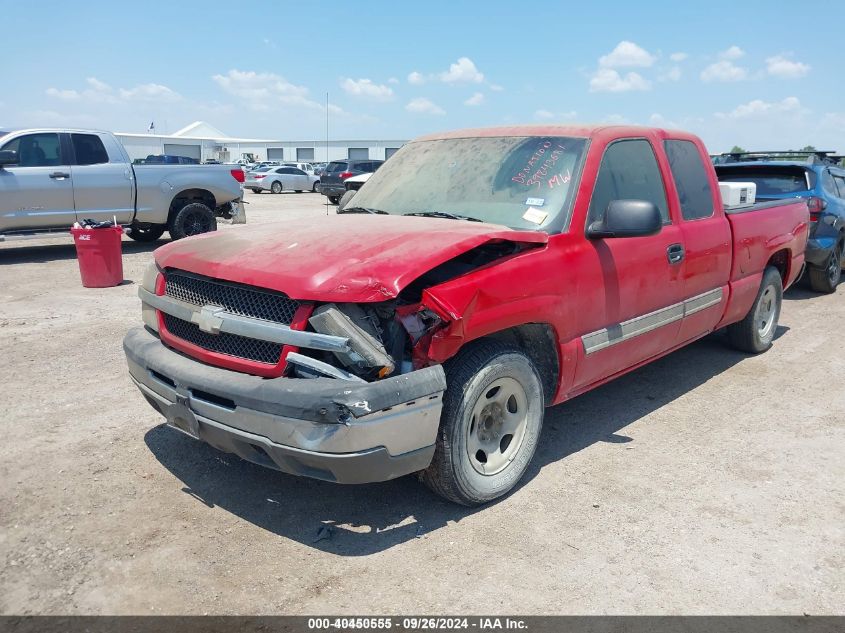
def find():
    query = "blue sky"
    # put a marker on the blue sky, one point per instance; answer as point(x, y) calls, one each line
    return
point(764, 75)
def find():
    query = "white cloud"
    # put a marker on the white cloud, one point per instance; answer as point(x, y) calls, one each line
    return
point(614, 119)
point(421, 105)
point(64, 95)
point(658, 120)
point(758, 107)
point(673, 74)
point(366, 88)
point(98, 85)
point(475, 100)
point(496, 88)
point(723, 71)
point(416, 78)
point(734, 52)
point(393, 80)
point(547, 115)
point(780, 66)
point(462, 71)
point(261, 91)
point(609, 80)
point(100, 92)
point(678, 57)
point(149, 92)
point(627, 54)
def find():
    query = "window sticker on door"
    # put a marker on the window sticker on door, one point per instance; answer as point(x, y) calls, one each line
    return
point(534, 215)
point(535, 202)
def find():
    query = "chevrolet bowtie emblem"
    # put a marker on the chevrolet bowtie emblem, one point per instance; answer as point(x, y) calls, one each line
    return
point(207, 319)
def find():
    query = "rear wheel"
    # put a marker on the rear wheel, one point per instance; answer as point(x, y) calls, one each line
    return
point(276, 187)
point(826, 279)
point(490, 426)
point(334, 199)
point(755, 333)
point(192, 219)
point(148, 233)
point(256, 191)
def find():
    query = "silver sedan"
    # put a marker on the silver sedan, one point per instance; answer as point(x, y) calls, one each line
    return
point(278, 179)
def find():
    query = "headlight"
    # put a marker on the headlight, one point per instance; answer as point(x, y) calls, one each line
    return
point(148, 313)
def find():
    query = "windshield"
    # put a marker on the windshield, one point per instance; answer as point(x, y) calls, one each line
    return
point(516, 181)
point(770, 181)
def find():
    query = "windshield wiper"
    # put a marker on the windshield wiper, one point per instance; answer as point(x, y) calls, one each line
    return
point(443, 214)
point(363, 210)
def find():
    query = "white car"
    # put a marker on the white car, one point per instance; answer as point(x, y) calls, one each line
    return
point(308, 168)
point(278, 179)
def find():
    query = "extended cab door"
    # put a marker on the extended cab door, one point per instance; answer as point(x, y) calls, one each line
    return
point(37, 193)
point(103, 181)
point(630, 290)
point(706, 236)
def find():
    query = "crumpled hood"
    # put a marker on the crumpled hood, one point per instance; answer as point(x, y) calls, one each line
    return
point(349, 257)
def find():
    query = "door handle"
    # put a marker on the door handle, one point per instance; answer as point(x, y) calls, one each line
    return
point(675, 253)
point(60, 174)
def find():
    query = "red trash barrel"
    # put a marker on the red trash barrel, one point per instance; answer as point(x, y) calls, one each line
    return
point(100, 257)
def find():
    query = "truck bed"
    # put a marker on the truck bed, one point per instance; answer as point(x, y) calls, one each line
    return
point(759, 239)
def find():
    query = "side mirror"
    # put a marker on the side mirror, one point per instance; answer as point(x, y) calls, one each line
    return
point(627, 218)
point(8, 157)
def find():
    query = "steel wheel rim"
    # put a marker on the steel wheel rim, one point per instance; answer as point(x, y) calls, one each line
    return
point(766, 312)
point(496, 427)
point(834, 266)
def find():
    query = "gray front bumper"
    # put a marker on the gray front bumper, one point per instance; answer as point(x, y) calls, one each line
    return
point(323, 427)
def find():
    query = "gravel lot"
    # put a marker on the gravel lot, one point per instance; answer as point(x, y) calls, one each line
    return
point(707, 482)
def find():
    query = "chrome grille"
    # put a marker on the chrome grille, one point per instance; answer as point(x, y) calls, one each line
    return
point(234, 298)
point(224, 343)
point(237, 299)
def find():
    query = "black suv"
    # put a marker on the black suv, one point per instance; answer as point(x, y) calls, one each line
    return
point(337, 171)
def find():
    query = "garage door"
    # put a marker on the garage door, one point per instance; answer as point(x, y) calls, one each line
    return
point(304, 154)
point(359, 153)
point(175, 149)
point(275, 153)
point(390, 151)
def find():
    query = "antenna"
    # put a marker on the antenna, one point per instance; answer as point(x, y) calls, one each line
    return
point(327, 145)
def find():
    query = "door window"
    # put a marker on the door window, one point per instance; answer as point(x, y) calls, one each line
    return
point(628, 171)
point(840, 183)
point(694, 191)
point(827, 183)
point(36, 150)
point(89, 149)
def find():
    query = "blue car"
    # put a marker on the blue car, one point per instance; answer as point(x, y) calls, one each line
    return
point(820, 180)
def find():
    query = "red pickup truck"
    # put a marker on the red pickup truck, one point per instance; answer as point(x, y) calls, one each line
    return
point(478, 277)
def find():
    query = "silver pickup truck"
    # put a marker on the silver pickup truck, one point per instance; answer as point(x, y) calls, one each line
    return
point(50, 178)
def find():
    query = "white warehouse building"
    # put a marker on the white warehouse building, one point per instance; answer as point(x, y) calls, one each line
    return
point(204, 142)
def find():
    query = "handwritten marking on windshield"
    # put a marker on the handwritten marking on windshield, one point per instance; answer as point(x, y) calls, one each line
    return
point(560, 179)
point(547, 165)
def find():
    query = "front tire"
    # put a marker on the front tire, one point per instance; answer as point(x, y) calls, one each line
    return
point(826, 279)
point(192, 219)
point(276, 187)
point(334, 199)
point(315, 187)
point(755, 333)
point(149, 233)
point(490, 426)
